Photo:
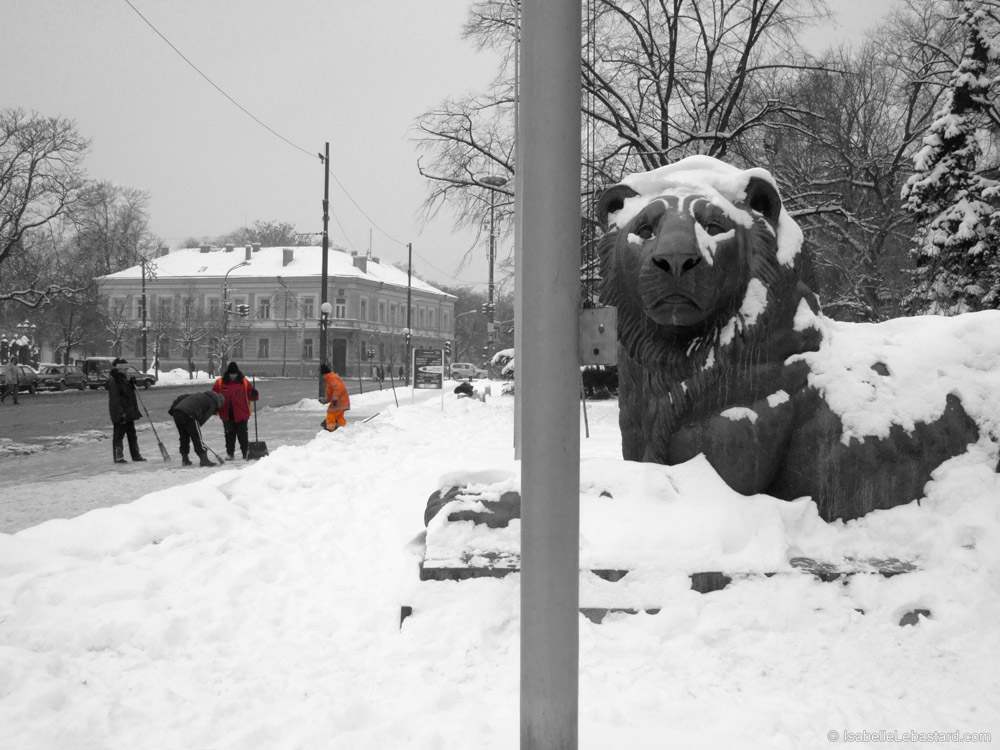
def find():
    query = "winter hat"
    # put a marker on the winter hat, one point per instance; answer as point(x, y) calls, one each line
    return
point(233, 368)
point(119, 361)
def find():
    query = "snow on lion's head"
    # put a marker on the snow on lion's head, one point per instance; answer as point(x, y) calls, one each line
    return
point(697, 253)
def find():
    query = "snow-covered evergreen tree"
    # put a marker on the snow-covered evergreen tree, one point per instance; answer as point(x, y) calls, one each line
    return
point(955, 193)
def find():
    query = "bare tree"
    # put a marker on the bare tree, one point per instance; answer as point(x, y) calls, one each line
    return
point(113, 228)
point(662, 79)
point(41, 180)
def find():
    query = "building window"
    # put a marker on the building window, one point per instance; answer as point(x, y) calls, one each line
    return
point(165, 307)
point(263, 348)
point(117, 307)
point(138, 308)
point(422, 311)
point(340, 308)
point(392, 315)
point(381, 311)
point(264, 308)
point(430, 319)
point(363, 315)
point(307, 349)
point(444, 322)
point(213, 307)
point(308, 308)
point(162, 347)
point(236, 352)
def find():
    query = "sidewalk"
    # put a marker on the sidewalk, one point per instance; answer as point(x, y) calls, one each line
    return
point(77, 475)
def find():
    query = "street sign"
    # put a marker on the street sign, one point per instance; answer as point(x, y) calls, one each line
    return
point(428, 369)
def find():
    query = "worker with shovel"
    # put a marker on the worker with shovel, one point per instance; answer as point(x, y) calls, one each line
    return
point(237, 393)
point(124, 408)
point(190, 411)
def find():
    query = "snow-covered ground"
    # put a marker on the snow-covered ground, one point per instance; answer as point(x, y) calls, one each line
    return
point(259, 607)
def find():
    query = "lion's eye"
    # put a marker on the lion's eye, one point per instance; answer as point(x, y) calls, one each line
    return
point(713, 227)
point(645, 231)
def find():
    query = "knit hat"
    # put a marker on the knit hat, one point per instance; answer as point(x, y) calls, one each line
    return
point(119, 361)
point(233, 368)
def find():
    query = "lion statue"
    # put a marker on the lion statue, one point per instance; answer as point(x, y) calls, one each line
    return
point(717, 325)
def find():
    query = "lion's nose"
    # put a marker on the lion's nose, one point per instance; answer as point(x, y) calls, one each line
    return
point(676, 265)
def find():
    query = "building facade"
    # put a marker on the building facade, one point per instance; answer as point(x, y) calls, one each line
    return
point(260, 306)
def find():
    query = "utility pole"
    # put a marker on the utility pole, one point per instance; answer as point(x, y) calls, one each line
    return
point(325, 159)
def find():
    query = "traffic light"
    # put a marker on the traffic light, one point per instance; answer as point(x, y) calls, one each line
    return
point(447, 348)
point(243, 310)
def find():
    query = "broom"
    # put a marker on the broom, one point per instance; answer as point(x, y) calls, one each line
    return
point(257, 449)
point(205, 445)
point(163, 451)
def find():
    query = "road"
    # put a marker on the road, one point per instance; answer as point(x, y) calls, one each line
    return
point(52, 413)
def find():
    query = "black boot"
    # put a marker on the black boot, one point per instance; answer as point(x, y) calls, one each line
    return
point(205, 460)
point(138, 458)
point(119, 455)
point(185, 461)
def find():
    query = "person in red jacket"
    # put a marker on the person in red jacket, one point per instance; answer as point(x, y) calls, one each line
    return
point(337, 399)
point(236, 410)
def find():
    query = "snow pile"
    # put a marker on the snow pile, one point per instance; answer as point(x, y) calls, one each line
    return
point(260, 608)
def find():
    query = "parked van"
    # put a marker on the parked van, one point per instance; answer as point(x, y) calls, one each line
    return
point(97, 370)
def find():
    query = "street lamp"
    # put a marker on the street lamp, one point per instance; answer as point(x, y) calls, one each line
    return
point(494, 181)
point(325, 311)
point(406, 333)
point(27, 331)
point(223, 355)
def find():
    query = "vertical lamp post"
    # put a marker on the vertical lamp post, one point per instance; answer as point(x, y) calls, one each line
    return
point(325, 311)
point(494, 181)
point(27, 331)
point(224, 355)
point(406, 334)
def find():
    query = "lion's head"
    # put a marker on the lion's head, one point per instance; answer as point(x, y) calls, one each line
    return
point(695, 253)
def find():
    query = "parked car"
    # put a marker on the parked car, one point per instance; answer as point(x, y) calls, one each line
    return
point(146, 379)
point(463, 370)
point(97, 370)
point(61, 377)
point(27, 379)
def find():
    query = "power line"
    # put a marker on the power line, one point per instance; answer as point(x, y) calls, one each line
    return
point(268, 129)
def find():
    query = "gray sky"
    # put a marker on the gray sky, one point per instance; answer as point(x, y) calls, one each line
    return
point(356, 75)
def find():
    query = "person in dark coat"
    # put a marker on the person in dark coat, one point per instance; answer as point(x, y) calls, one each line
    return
point(190, 411)
point(123, 405)
point(236, 409)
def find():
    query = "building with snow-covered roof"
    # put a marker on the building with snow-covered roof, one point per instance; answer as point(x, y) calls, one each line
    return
point(260, 306)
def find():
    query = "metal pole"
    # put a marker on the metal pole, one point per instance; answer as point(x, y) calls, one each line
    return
point(518, 247)
point(145, 364)
point(409, 306)
point(490, 315)
point(325, 271)
point(550, 456)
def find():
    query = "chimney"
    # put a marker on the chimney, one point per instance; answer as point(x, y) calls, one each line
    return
point(361, 262)
point(247, 257)
point(375, 260)
point(162, 251)
point(206, 248)
point(286, 256)
point(256, 247)
point(229, 248)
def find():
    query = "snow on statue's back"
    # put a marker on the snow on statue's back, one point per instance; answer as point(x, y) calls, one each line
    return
point(723, 351)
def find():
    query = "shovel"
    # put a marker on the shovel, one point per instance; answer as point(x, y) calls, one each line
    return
point(163, 451)
point(257, 448)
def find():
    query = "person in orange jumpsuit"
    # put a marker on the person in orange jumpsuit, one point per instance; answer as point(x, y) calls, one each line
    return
point(337, 399)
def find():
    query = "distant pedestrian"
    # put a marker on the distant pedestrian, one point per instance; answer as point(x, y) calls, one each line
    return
point(12, 379)
point(123, 405)
point(337, 399)
point(236, 408)
point(190, 411)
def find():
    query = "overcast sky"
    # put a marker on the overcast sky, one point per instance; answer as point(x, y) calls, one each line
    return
point(354, 74)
